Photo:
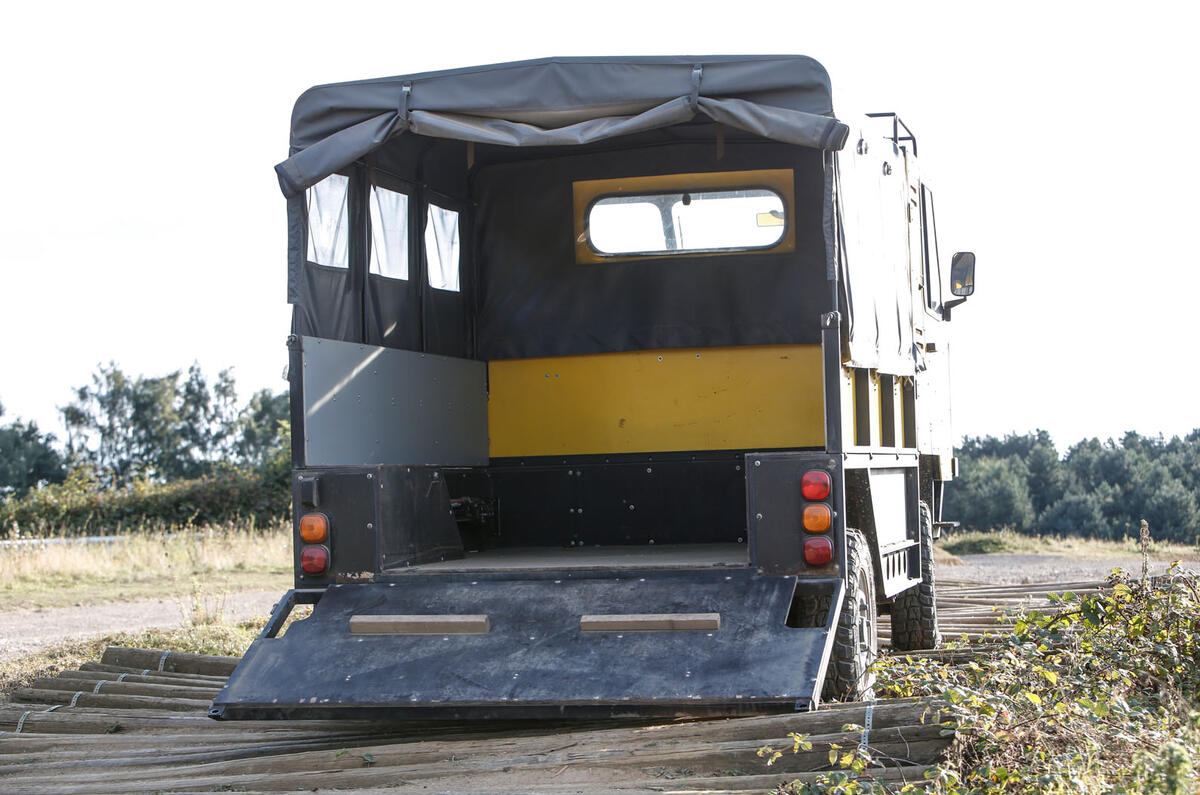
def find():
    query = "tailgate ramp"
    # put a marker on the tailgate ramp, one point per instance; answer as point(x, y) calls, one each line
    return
point(545, 644)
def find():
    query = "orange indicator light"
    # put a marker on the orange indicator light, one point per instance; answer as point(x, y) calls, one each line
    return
point(817, 518)
point(314, 528)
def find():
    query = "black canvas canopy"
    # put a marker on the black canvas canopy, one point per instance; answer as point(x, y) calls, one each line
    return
point(500, 146)
point(560, 102)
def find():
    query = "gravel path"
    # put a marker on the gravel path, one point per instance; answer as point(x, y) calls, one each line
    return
point(26, 631)
point(1012, 568)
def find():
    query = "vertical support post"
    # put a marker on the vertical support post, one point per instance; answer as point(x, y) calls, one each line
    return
point(831, 367)
point(296, 398)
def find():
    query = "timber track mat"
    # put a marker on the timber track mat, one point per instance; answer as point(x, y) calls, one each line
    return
point(136, 722)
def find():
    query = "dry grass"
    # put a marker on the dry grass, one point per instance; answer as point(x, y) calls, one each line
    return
point(225, 639)
point(943, 558)
point(976, 542)
point(204, 563)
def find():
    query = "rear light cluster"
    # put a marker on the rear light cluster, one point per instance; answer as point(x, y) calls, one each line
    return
point(314, 532)
point(816, 485)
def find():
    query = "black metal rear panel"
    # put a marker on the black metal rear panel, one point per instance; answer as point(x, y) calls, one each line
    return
point(536, 661)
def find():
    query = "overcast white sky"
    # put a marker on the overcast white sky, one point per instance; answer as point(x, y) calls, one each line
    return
point(141, 221)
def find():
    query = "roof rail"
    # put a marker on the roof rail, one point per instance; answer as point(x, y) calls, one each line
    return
point(897, 124)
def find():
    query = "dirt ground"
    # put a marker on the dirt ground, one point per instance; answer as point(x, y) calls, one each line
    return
point(25, 631)
point(1018, 568)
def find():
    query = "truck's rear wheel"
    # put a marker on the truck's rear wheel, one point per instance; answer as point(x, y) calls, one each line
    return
point(856, 644)
point(914, 614)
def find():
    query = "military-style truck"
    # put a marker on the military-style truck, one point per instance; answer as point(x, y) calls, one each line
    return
point(618, 387)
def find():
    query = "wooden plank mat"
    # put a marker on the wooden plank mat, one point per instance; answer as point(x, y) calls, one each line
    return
point(136, 722)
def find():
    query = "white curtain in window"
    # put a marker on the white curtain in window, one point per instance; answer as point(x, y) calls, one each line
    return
point(441, 248)
point(328, 231)
point(389, 233)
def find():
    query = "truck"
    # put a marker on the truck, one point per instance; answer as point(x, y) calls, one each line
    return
point(619, 387)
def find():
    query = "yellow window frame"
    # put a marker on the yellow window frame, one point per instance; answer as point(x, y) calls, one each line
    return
point(780, 180)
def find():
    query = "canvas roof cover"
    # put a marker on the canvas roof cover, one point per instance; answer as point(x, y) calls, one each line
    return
point(560, 102)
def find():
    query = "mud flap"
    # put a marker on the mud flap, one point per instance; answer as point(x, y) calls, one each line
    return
point(532, 655)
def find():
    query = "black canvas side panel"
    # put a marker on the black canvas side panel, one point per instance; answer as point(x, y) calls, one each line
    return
point(329, 304)
point(535, 300)
point(392, 306)
point(328, 301)
point(392, 314)
point(296, 244)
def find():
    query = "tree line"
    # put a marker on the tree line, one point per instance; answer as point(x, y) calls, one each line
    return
point(181, 426)
point(1095, 490)
point(124, 428)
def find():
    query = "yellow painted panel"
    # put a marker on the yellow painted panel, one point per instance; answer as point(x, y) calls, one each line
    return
point(652, 401)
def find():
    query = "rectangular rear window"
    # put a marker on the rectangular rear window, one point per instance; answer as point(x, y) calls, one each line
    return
point(684, 214)
point(687, 221)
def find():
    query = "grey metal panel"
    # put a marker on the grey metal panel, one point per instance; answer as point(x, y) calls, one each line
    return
point(890, 503)
point(365, 405)
point(897, 556)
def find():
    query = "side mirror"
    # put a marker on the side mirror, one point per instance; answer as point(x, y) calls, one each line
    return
point(962, 274)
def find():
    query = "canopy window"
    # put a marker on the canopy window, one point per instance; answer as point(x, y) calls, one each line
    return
point(328, 222)
point(392, 304)
point(321, 224)
point(389, 233)
point(442, 246)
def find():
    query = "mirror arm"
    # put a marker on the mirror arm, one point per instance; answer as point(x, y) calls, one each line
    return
point(948, 305)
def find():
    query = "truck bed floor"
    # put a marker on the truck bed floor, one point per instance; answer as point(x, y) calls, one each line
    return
point(644, 556)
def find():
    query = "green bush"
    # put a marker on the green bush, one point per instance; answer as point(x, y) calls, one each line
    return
point(81, 505)
point(1100, 695)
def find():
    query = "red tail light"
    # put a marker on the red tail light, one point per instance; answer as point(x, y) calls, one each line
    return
point(815, 484)
point(314, 560)
point(818, 551)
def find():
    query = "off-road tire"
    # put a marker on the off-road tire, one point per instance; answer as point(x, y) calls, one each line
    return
point(914, 613)
point(856, 643)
